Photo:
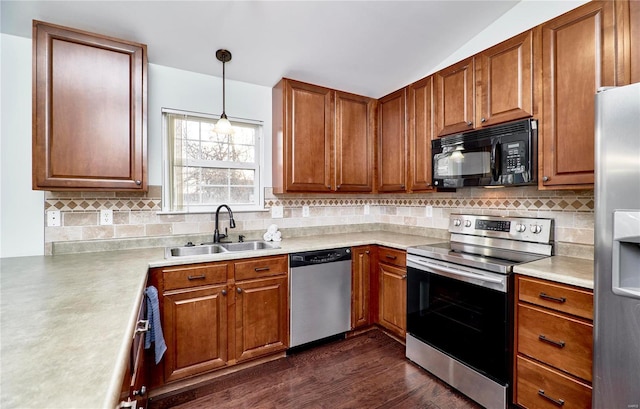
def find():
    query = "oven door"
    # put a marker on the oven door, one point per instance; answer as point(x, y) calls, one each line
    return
point(463, 312)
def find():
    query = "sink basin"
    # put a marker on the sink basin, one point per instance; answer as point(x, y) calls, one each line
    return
point(213, 248)
point(250, 245)
point(194, 250)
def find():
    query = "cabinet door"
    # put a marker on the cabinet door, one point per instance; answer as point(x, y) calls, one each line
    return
point(308, 137)
point(634, 40)
point(420, 108)
point(393, 298)
point(89, 111)
point(504, 75)
point(360, 286)
point(392, 142)
point(195, 330)
point(578, 54)
point(262, 320)
point(355, 137)
point(454, 98)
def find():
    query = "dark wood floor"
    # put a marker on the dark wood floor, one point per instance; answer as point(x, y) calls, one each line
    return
point(366, 371)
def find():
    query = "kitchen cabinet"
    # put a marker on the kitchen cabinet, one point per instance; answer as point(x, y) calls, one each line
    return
point(360, 286)
point(89, 111)
point(634, 41)
point(217, 315)
point(322, 139)
point(392, 304)
point(420, 134)
point(578, 57)
point(134, 385)
point(553, 344)
point(628, 41)
point(261, 307)
point(392, 154)
point(455, 98)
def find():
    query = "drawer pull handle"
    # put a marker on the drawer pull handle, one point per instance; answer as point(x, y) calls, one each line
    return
point(559, 344)
point(390, 257)
point(200, 277)
point(557, 402)
point(258, 269)
point(550, 298)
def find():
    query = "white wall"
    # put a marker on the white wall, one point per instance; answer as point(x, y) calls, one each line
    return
point(21, 209)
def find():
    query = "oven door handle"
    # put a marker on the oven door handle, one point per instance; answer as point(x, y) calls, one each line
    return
point(458, 272)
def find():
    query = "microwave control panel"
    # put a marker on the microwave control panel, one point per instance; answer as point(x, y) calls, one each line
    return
point(514, 156)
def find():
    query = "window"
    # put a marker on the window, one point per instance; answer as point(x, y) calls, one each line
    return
point(205, 169)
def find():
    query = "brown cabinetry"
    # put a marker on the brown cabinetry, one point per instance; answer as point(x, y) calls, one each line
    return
point(135, 382)
point(360, 286)
point(392, 296)
point(215, 315)
point(392, 154)
point(322, 139)
point(553, 344)
point(455, 98)
point(420, 134)
point(578, 57)
point(89, 111)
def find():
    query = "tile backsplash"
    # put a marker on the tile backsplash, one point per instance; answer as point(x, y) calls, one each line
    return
point(138, 215)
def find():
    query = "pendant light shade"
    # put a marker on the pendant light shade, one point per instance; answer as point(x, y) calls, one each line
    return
point(223, 126)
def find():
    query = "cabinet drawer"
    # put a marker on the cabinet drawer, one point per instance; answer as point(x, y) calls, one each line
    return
point(392, 256)
point(556, 296)
point(537, 385)
point(559, 341)
point(194, 276)
point(260, 267)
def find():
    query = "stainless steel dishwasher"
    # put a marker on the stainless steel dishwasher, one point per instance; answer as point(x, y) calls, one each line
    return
point(320, 294)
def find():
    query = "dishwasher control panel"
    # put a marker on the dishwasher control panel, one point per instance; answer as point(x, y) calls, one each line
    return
point(319, 257)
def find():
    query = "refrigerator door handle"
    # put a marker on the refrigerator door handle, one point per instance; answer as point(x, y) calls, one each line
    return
point(625, 266)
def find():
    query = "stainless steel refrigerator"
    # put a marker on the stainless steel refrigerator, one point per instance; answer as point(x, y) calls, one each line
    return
point(616, 357)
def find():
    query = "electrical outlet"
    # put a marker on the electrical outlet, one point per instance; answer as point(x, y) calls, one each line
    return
point(428, 211)
point(106, 217)
point(53, 218)
point(305, 211)
point(367, 209)
point(277, 212)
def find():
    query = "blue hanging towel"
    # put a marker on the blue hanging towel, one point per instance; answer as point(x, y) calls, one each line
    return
point(155, 326)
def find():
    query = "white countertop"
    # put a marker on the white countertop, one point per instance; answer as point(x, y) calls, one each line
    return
point(567, 270)
point(67, 321)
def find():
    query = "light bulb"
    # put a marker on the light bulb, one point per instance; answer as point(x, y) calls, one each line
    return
point(223, 126)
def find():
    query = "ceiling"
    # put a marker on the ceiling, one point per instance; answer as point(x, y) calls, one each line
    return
point(365, 47)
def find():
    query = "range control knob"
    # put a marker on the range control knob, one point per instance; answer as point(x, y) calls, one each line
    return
point(520, 227)
point(536, 228)
point(467, 223)
point(456, 222)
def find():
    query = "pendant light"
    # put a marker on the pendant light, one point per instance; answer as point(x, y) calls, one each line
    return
point(223, 126)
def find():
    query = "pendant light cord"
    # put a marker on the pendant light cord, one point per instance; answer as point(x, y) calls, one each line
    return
point(224, 115)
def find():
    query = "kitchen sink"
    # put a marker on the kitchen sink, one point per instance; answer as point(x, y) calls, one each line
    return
point(250, 245)
point(214, 248)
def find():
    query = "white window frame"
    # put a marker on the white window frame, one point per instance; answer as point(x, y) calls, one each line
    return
point(258, 204)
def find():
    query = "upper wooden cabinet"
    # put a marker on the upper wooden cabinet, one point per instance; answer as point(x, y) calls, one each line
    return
point(505, 85)
point(628, 41)
point(578, 57)
point(454, 98)
point(89, 111)
point(420, 134)
point(392, 154)
point(322, 139)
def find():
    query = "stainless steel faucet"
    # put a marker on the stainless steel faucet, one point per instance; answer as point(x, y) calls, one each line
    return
point(232, 224)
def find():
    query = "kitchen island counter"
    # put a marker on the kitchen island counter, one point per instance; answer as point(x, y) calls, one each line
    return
point(67, 320)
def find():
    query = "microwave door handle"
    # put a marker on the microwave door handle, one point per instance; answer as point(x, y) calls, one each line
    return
point(496, 161)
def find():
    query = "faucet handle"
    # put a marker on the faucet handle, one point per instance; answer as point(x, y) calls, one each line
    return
point(241, 238)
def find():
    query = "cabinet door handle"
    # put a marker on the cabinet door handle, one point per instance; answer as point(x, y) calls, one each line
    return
point(200, 277)
point(224, 292)
point(140, 392)
point(559, 344)
point(483, 120)
point(469, 123)
point(557, 402)
point(239, 290)
point(560, 300)
point(367, 252)
point(404, 277)
point(338, 187)
point(258, 269)
point(138, 182)
point(390, 257)
point(142, 326)
point(545, 178)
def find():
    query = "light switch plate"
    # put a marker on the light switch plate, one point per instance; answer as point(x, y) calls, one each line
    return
point(53, 218)
point(277, 212)
point(428, 211)
point(305, 211)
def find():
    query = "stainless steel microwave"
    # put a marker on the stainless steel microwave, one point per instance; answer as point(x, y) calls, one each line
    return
point(501, 155)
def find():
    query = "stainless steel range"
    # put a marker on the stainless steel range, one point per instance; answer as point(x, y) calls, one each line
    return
point(460, 301)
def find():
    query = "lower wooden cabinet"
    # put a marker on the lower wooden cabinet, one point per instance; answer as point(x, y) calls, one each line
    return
point(135, 382)
point(392, 291)
point(553, 344)
point(216, 315)
point(360, 286)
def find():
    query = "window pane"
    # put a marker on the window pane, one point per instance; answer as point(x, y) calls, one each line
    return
point(242, 177)
point(241, 195)
point(213, 176)
point(215, 151)
point(214, 195)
